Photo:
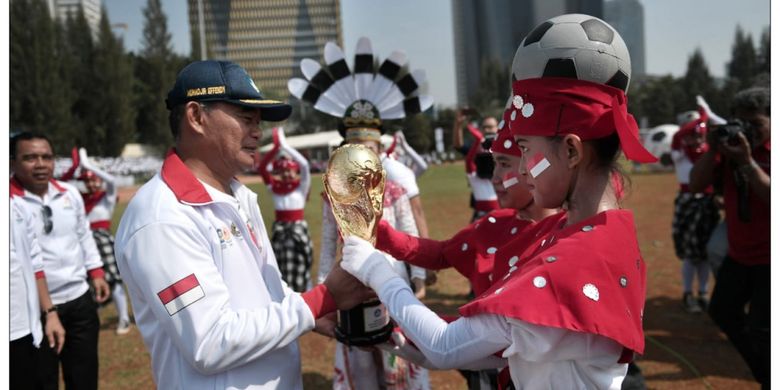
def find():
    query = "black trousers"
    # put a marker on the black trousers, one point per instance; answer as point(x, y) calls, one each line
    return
point(79, 356)
point(21, 354)
point(736, 287)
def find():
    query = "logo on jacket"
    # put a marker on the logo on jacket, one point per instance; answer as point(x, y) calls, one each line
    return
point(234, 229)
point(224, 237)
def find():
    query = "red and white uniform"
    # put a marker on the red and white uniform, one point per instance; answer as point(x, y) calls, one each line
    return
point(567, 313)
point(471, 251)
point(100, 205)
point(289, 197)
point(485, 198)
point(69, 251)
point(206, 289)
point(25, 263)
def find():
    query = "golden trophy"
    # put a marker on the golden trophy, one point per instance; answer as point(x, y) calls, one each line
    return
point(355, 185)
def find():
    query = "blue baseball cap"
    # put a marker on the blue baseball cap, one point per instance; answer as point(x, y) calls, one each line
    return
point(223, 81)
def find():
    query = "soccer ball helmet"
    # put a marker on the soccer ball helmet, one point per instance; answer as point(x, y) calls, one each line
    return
point(576, 46)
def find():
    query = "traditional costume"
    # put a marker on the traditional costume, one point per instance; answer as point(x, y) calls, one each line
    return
point(478, 172)
point(290, 232)
point(363, 100)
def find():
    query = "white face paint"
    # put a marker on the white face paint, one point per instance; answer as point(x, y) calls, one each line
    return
point(510, 182)
point(537, 164)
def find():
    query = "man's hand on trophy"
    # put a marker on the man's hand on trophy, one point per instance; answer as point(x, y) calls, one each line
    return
point(345, 289)
point(326, 325)
point(369, 265)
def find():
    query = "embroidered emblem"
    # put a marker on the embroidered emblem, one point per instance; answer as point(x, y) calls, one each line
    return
point(181, 294)
point(234, 229)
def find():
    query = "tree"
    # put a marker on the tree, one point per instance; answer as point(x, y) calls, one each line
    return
point(743, 59)
point(40, 91)
point(764, 52)
point(697, 80)
point(492, 94)
point(115, 116)
point(156, 72)
point(660, 99)
point(79, 66)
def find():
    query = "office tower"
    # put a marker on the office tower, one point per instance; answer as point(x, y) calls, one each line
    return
point(268, 38)
point(492, 30)
point(61, 8)
point(628, 18)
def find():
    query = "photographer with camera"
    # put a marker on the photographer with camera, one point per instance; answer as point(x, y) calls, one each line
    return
point(740, 158)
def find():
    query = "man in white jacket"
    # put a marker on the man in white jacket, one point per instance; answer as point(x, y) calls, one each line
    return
point(70, 258)
point(193, 250)
point(29, 300)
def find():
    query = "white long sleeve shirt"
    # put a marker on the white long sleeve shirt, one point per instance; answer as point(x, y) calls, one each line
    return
point(539, 357)
point(25, 260)
point(206, 289)
point(69, 251)
point(401, 174)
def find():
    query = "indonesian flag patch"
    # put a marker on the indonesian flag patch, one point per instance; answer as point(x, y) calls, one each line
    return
point(181, 294)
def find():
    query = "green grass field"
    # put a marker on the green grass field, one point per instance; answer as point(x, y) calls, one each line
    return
point(684, 351)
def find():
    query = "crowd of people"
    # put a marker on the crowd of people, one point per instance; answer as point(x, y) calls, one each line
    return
point(557, 279)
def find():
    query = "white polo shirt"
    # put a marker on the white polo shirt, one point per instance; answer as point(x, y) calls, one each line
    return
point(206, 289)
point(69, 251)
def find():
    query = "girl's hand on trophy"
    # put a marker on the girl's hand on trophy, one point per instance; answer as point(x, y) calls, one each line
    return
point(363, 261)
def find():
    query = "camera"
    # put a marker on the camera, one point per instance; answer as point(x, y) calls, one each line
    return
point(728, 133)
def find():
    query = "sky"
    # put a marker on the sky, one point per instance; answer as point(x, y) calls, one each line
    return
point(423, 29)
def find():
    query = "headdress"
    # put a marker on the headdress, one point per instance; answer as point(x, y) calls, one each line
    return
point(364, 97)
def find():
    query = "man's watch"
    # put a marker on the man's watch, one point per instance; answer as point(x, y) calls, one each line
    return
point(53, 308)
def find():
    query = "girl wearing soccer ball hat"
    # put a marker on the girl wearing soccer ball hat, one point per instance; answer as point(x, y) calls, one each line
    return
point(568, 311)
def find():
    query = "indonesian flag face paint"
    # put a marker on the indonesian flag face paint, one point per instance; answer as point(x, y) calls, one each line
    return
point(537, 164)
point(181, 294)
point(510, 179)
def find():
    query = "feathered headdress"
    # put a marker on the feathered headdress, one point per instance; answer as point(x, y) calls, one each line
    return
point(365, 97)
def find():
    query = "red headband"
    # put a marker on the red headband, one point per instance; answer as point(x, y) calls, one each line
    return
point(555, 106)
point(505, 143)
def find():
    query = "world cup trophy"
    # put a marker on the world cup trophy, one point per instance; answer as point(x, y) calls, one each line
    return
point(355, 183)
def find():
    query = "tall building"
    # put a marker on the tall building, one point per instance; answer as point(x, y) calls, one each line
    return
point(61, 8)
point(628, 18)
point(492, 30)
point(268, 38)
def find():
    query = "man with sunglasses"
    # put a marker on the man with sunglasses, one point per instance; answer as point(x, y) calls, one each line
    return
point(70, 258)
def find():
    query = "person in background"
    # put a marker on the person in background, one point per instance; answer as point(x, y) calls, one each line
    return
point(739, 156)
point(478, 161)
point(29, 301)
point(99, 203)
point(289, 183)
point(70, 258)
point(695, 213)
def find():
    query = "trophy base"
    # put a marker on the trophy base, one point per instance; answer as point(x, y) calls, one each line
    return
point(364, 325)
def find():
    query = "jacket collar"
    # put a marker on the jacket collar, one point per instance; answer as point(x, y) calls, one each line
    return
point(185, 186)
point(17, 189)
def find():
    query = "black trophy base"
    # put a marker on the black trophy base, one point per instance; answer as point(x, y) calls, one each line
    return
point(364, 325)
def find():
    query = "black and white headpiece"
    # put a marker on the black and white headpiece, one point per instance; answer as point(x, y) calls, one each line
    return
point(362, 98)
